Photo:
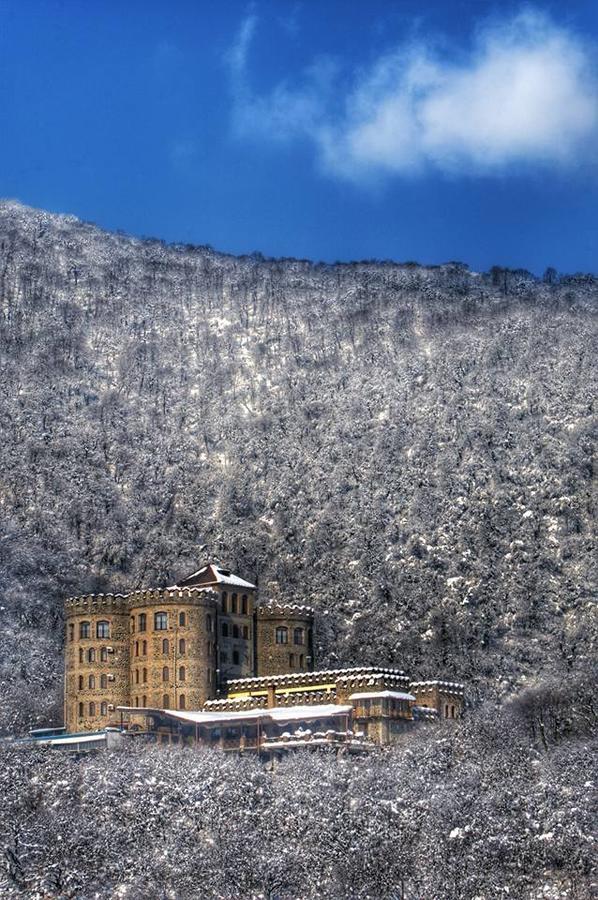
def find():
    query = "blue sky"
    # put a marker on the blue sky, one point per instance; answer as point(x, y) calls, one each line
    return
point(329, 130)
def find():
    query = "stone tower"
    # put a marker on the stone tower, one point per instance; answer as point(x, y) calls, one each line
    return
point(97, 671)
point(284, 638)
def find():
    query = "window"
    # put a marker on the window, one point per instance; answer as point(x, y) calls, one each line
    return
point(71, 631)
point(165, 674)
point(136, 648)
point(160, 621)
point(91, 655)
point(224, 603)
point(84, 629)
point(142, 621)
point(91, 682)
point(136, 701)
point(224, 629)
point(132, 624)
point(233, 603)
point(182, 701)
point(235, 657)
point(136, 676)
point(291, 660)
point(223, 657)
point(446, 715)
point(182, 619)
point(182, 673)
point(298, 636)
point(80, 682)
point(235, 631)
point(182, 646)
point(209, 623)
point(103, 708)
point(103, 655)
point(103, 629)
point(92, 708)
point(144, 678)
point(103, 681)
point(165, 647)
point(144, 700)
point(452, 712)
point(81, 654)
point(244, 604)
point(301, 658)
point(282, 635)
point(245, 632)
point(144, 648)
point(165, 702)
point(81, 711)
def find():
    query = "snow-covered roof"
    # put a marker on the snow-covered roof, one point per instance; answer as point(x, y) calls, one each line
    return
point(319, 675)
point(377, 695)
point(214, 574)
point(280, 714)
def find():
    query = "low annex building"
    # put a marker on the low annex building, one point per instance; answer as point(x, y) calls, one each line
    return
point(203, 662)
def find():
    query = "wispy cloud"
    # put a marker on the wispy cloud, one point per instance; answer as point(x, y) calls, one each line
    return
point(525, 93)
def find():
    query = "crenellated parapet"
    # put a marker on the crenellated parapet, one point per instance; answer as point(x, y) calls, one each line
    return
point(96, 604)
point(205, 597)
point(284, 638)
point(273, 609)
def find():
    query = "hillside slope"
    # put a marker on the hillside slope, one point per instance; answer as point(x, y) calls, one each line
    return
point(409, 449)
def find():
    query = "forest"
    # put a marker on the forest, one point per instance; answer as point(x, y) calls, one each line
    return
point(407, 448)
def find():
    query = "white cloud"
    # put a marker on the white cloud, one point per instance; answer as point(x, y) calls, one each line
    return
point(526, 93)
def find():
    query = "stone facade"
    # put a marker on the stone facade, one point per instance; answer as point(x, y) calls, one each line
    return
point(174, 648)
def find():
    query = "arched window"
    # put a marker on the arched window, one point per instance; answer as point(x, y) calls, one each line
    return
point(446, 715)
point(91, 655)
point(291, 660)
point(136, 676)
point(144, 700)
point(298, 636)
point(103, 629)
point(233, 603)
point(136, 648)
point(182, 701)
point(165, 647)
point(224, 629)
point(144, 675)
point(209, 623)
point(92, 708)
point(81, 711)
point(103, 655)
point(84, 629)
point(160, 621)
point(244, 604)
point(182, 646)
point(91, 682)
point(80, 682)
point(235, 631)
point(103, 681)
point(165, 673)
point(166, 702)
point(224, 603)
point(282, 634)
point(182, 673)
point(182, 619)
point(136, 701)
point(452, 712)
point(103, 708)
point(81, 652)
point(71, 631)
point(144, 648)
point(142, 621)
